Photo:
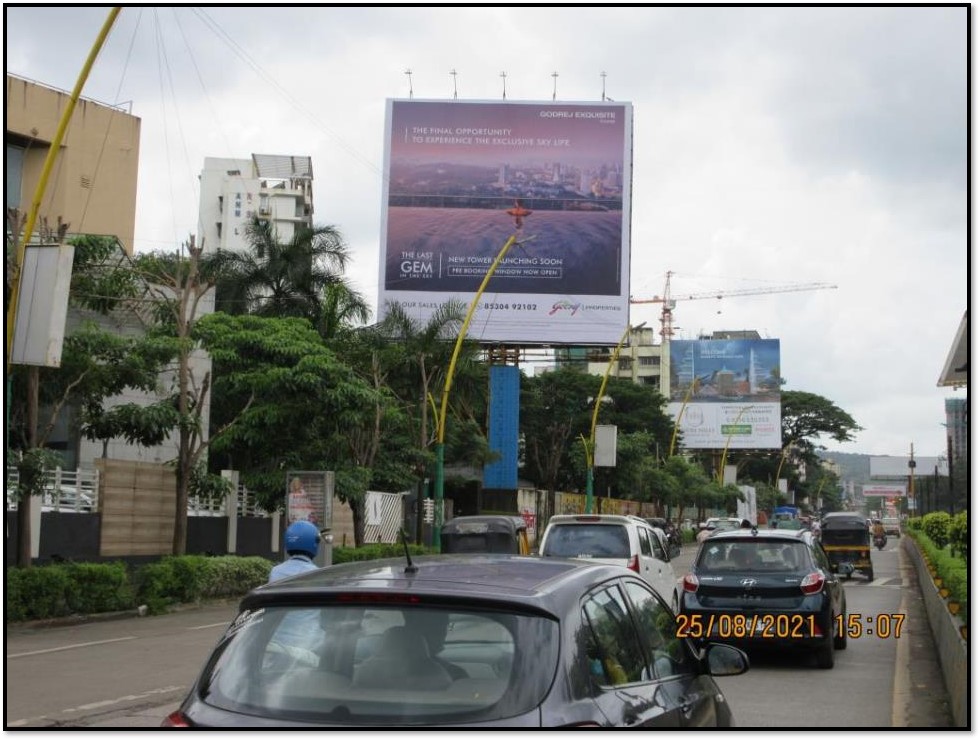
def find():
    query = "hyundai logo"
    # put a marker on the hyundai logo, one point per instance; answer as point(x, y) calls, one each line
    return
point(749, 582)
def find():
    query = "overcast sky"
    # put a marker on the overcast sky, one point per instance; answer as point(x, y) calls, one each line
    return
point(773, 146)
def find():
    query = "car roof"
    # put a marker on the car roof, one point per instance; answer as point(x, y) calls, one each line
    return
point(598, 519)
point(761, 534)
point(495, 523)
point(544, 584)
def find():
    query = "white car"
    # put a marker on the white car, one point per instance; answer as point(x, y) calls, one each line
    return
point(717, 524)
point(612, 538)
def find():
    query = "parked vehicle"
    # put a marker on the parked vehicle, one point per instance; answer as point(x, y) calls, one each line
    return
point(672, 533)
point(459, 641)
point(717, 524)
point(616, 539)
point(846, 540)
point(765, 588)
point(485, 533)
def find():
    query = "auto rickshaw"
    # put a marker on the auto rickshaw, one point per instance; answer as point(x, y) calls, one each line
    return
point(847, 542)
point(485, 533)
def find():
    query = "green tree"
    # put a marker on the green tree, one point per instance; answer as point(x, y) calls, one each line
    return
point(283, 400)
point(302, 277)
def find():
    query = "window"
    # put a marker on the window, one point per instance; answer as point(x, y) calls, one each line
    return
point(666, 655)
point(587, 540)
point(613, 647)
point(645, 547)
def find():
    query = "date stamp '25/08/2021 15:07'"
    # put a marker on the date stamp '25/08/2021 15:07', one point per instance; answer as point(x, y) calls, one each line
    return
point(786, 626)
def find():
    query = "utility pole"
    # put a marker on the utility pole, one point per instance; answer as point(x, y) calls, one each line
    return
point(912, 503)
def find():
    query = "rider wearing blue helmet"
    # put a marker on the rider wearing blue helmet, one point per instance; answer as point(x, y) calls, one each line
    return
point(302, 545)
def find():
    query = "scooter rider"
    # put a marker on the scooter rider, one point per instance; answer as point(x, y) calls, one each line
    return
point(878, 532)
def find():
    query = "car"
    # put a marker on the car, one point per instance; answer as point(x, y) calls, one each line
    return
point(614, 538)
point(717, 524)
point(893, 525)
point(459, 640)
point(670, 530)
point(769, 588)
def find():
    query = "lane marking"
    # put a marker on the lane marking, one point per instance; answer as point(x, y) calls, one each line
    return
point(71, 647)
point(119, 700)
point(209, 626)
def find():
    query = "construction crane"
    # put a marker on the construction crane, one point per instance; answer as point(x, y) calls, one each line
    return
point(669, 301)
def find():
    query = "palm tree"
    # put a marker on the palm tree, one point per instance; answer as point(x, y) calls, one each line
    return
point(303, 277)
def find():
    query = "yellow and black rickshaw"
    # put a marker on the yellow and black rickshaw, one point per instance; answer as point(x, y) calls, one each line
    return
point(847, 542)
point(485, 533)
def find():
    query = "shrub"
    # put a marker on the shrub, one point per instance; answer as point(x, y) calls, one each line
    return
point(951, 569)
point(37, 593)
point(229, 575)
point(959, 535)
point(376, 551)
point(98, 587)
point(936, 527)
point(914, 524)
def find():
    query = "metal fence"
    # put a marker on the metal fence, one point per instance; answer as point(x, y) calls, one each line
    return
point(64, 490)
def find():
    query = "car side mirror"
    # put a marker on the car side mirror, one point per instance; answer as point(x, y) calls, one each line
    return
point(724, 660)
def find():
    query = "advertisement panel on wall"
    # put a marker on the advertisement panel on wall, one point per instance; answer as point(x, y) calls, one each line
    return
point(728, 390)
point(463, 177)
point(888, 492)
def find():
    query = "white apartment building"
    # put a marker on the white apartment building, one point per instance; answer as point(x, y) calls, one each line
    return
point(275, 187)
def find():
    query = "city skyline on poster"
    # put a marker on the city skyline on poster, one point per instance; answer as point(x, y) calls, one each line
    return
point(463, 177)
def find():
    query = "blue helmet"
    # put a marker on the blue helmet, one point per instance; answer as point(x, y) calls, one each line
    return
point(302, 537)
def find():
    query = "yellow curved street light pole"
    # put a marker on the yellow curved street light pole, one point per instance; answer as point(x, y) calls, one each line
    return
point(724, 455)
point(53, 150)
point(590, 446)
point(441, 427)
point(680, 415)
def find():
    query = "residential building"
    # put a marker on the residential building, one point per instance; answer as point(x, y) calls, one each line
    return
point(639, 358)
point(92, 185)
point(273, 187)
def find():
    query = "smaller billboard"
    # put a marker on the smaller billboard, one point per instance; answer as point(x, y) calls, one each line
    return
point(889, 492)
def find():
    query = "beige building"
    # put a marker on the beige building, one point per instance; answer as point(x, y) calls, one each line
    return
point(92, 186)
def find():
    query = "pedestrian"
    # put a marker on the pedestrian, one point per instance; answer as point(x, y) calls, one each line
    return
point(302, 545)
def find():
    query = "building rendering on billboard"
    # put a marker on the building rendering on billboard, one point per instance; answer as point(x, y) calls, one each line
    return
point(726, 392)
point(463, 177)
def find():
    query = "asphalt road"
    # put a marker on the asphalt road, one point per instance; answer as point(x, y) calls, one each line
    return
point(132, 672)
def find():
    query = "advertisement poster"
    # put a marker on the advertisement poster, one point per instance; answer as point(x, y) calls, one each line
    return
point(726, 392)
point(463, 177)
point(307, 499)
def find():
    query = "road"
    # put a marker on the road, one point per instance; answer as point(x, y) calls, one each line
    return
point(133, 672)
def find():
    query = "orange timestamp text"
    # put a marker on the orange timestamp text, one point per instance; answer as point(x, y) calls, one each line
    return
point(785, 626)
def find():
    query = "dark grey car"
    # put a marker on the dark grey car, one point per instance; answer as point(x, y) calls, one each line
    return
point(459, 640)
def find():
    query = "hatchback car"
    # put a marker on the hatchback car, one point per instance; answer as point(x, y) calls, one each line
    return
point(612, 538)
point(765, 588)
point(459, 641)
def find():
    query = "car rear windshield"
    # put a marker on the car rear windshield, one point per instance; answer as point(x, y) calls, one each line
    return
point(382, 665)
point(736, 556)
point(581, 540)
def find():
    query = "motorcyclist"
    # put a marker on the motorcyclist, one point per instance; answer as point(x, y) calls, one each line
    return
point(302, 544)
point(878, 530)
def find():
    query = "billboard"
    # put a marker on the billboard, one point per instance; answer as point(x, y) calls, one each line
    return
point(463, 177)
point(888, 492)
point(728, 390)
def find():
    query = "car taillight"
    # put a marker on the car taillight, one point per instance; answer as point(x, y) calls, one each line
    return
point(634, 563)
point(175, 719)
point(690, 583)
point(812, 584)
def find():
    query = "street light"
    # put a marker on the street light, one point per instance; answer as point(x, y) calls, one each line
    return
point(724, 455)
point(590, 447)
point(441, 427)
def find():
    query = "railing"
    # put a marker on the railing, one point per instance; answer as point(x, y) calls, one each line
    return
point(247, 505)
point(64, 490)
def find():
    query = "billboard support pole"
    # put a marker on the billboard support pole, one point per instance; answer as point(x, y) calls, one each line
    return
point(441, 428)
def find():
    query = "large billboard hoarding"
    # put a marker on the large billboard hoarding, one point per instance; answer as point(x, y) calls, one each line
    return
point(463, 177)
point(726, 393)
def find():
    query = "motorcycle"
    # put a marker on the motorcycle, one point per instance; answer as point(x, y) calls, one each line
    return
point(880, 540)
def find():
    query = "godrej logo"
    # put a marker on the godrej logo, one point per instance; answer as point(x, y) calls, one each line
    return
point(572, 308)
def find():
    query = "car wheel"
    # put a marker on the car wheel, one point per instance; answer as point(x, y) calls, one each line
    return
point(825, 654)
point(871, 574)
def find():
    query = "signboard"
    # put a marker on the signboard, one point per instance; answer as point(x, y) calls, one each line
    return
point(39, 329)
point(726, 393)
point(889, 492)
point(309, 497)
point(463, 177)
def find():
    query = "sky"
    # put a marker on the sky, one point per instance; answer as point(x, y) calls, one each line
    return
point(773, 147)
